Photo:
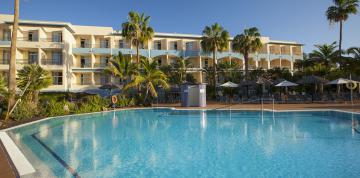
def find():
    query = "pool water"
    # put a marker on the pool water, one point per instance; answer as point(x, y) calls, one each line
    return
point(184, 143)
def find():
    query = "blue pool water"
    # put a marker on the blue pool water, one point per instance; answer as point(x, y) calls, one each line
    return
point(174, 143)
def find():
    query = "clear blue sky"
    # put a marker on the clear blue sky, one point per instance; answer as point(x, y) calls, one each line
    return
point(303, 21)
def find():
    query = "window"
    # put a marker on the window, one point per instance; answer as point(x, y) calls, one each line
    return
point(174, 45)
point(189, 46)
point(159, 62)
point(104, 44)
point(172, 61)
point(104, 61)
point(84, 79)
point(104, 79)
point(121, 44)
point(84, 63)
point(206, 63)
point(83, 43)
point(57, 78)
point(157, 45)
point(57, 37)
point(5, 57)
point(6, 35)
point(57, 58)
point(32, 36)
point(33, 57)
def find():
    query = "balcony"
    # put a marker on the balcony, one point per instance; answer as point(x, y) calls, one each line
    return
point(51, 62)
point(155, 53)
point(5, 43)
point(25, 61)
point(4, 61)
point(100, 65)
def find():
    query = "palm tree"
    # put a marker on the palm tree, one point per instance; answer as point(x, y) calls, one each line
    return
point(3, 88)
point(324, 54)
point(32, 78)
point(340, 12)
point(150, 78)
point(181, 67)
point(122, 67)
point(12, 63)
point(214, 38)
point(137, 30)
point(228, 68)
point(247, 42)
point(354, 52)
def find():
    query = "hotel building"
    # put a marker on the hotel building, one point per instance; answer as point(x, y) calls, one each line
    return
point(77, 55)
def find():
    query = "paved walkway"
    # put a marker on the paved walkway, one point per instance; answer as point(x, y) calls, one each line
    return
point(5, 167)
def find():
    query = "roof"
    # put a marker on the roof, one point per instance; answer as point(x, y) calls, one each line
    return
point(101, 30)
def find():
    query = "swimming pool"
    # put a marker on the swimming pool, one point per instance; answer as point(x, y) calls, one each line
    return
point(193, 143)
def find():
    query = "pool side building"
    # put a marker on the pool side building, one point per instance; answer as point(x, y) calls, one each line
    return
point(77, 55)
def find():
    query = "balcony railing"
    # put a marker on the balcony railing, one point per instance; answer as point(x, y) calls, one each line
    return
point(84, 45)
point(4, 61)
point(84, 82)
point(51, 62)
point(26, 61)
point(85, 65)
point(27, 39)
point(100, 65)
point(102, 45)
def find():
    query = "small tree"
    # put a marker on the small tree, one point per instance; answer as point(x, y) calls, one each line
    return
point(31, 79)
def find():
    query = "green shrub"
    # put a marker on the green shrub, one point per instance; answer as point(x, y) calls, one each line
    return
point(25, 110)
point(93, 103)
point(124, 101)
point(56, 108)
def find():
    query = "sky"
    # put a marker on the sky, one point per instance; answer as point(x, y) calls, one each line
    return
point(303, 21)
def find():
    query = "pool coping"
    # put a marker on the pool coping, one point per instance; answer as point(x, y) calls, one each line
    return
point(23, 166)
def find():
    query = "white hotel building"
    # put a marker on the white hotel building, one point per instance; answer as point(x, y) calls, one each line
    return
point(77, 55)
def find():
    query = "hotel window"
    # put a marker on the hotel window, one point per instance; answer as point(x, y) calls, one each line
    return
point(104, 79)
point(57, 58)
point(121, 44)
point(33, 57)
point(57, 78)
point(206, 63)
point(84, 79)
point(104, 44)
point(83, 43)
point(6, 35)
point(84, 63)
point(32, 36)
point(174, 45)
point(104, 61)
point(57, 37)
point(189, 46)
point(157, 45)
point(5, 57)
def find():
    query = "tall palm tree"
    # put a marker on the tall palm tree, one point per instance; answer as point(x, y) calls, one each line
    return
point(228, 68)
point(122, 67)
point(214, 38)
point(137, 30)
point(12, 63)
point(150, 78)
point(247, 42)
point(339, 12)
point(324, 54)
point(33, 78)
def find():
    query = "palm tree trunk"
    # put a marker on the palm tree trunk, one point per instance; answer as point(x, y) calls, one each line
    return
point(12, 62)
point(246, 58)
point(340, 39)
point(214, 66)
